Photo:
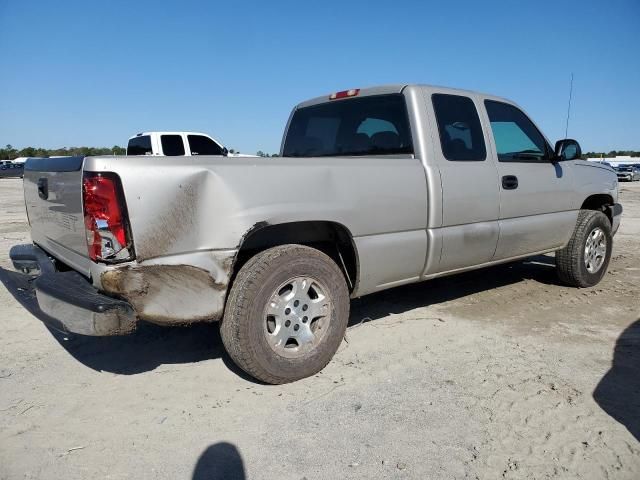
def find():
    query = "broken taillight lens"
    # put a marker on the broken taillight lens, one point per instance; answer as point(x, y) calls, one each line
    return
point(105, 219)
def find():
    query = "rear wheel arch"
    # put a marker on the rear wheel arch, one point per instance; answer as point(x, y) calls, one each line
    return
point(332, 238)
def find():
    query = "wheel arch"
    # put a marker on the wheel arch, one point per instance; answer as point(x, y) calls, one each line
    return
point(599, 202)
point(331, 238)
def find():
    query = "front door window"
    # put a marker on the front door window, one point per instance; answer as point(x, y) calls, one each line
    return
point(517, 138)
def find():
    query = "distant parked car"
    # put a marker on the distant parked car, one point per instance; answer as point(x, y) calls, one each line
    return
point(11, 169)
point(629, 173)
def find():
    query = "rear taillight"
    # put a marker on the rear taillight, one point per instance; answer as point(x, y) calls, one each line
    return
point(105, 218)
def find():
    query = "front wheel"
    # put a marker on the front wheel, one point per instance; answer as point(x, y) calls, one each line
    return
point(286, 314)
point(584, 261)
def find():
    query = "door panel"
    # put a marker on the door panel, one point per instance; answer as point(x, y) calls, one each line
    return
point(470, 195)
point(537, 215)
point(542, 188)
point(519, 236)
point(467, 245)
point(536, 210)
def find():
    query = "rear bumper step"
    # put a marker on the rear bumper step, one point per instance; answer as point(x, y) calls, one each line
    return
point(31, 259)
point(71, 299)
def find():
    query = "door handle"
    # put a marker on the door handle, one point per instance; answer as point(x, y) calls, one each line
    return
point(509, 182)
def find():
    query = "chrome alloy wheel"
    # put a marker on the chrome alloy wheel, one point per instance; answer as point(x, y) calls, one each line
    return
point(595, 250)
point(297, 316)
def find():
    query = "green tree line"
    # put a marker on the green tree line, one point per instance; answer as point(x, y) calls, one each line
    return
point(260, 153)
point(612, 153)
point(10, 153)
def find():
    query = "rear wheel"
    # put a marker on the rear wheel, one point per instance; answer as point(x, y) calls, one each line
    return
point(286, 314)
point(584, 261)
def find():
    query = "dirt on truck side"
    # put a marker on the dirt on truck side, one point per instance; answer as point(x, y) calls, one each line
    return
point(497, 373)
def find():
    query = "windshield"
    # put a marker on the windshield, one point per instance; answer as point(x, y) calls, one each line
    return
point(375, 125)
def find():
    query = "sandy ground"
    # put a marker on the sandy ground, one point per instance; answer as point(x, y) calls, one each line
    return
point(500, 373)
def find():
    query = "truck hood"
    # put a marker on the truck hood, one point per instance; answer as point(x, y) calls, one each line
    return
point(586, 163)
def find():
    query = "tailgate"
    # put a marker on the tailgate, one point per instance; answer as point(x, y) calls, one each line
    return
point(53, 197)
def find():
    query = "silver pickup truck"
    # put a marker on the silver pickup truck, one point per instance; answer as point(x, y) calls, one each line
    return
point(374, 188)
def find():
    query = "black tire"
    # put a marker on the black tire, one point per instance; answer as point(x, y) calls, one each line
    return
point(570, 261)
point(243, 325)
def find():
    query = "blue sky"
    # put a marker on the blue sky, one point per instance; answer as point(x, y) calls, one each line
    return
point(93, 73)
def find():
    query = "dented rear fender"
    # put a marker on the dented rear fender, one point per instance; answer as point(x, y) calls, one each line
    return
point(173, 290)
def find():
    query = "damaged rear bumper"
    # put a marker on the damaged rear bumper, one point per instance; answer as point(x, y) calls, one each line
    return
point(70, 300)
point(73, 301)
point(172, 290)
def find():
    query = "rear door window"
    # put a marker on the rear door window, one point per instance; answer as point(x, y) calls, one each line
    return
point(140, 145)
point(172, 145)
point(201, 145)
point(374, 125)
point(459, 127)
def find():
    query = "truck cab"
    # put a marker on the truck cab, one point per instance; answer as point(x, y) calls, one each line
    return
point(174, 144)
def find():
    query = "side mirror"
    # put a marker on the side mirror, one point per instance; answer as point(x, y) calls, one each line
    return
point(225, 151)
point(567, 149)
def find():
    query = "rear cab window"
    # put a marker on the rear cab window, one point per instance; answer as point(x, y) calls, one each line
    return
point(140, 145)
point(370, 125)
point(172, 145)
point(461, 136)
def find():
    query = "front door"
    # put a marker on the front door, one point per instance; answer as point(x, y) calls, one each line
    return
point(536, 211)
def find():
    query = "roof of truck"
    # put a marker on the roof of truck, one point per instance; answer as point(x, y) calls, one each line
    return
point(156, 132)
point(398, 88)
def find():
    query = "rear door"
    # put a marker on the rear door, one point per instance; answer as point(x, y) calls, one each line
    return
point(536, 204)
point(53, 197)
point(470, 196)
